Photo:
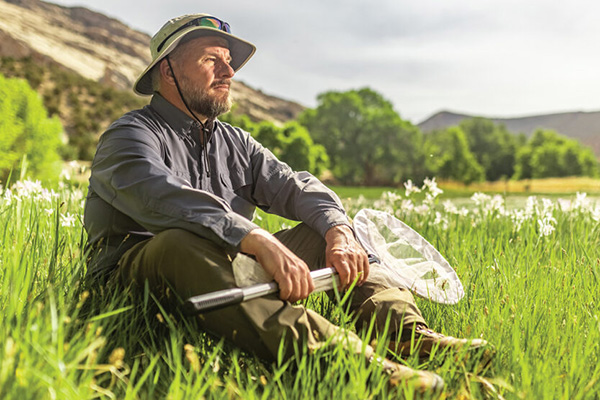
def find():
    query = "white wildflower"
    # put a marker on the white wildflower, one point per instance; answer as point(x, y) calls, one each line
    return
point(65, 174)
point(518, 217)
point(531, 206)
point(422, 209)
point(497, 202)
point(67, 220)
point(440, 221)
point(545, 226)
point(392, 197)
point(449, 207)
point(407, 205)
point(564, 204)
point(77, 194)
point(432, 186)
point(581, 201)
point(49, 211)
point(9, 197)
point(27, 188)
point(595, 213)
point(410, 188)
point(429, 199)
point(547, 206)
point(480, 198)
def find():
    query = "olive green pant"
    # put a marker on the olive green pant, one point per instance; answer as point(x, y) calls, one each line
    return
point(178, 260)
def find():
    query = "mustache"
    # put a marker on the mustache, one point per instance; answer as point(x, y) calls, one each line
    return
point(222, 82)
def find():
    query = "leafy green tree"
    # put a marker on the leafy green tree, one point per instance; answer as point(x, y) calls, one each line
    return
point(299, 150)
point(291, 143)
point(493, 145)
point(366, 140)
point(549, 154)
point(449, 156)
point(523, 169)
point(26, 131)
point(546, 161)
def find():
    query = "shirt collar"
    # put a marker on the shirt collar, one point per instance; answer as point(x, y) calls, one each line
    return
point(178, 120)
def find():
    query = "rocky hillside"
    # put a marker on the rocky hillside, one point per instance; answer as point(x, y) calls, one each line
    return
point(583, 126)
point(93, 55)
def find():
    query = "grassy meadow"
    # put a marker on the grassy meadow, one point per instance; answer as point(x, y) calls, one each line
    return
point(531, 275)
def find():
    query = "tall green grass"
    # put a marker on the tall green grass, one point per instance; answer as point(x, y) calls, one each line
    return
point(531, 278)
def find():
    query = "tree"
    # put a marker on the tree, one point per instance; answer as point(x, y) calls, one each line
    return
point(26, 131)
point(549, 154)
point(493, 145)
point(449, 156)
point(291, 143)
point(366, 140)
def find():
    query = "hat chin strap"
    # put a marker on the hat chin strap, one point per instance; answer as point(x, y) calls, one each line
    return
point(181, 93)
point(203, 126)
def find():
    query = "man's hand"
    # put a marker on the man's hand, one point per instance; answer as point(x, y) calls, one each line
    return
point(289, 271)
point(346, 255)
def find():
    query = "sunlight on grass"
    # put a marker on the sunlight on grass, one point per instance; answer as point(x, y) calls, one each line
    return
point(531, 276)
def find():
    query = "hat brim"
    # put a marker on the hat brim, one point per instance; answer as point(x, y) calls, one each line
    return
point(240, 50)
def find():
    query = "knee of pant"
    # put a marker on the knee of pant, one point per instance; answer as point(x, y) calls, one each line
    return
point(394, 301)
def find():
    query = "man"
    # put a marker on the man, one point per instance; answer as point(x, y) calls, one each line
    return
point(172, 194)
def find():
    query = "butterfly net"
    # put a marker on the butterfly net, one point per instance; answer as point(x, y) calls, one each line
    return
point(406, 258)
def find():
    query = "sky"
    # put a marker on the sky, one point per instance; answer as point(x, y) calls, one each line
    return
point(494, 58)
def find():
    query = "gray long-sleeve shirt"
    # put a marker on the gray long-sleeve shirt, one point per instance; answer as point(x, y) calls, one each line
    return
point(151, 173)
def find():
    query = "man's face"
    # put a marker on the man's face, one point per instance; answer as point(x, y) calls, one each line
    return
point(204, 75)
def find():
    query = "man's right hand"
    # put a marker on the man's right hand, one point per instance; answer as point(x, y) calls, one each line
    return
point(289, 271)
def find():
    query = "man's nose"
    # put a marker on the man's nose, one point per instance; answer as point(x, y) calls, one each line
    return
point(225, 70)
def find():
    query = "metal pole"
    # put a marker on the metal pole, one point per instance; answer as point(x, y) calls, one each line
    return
point(324, 279)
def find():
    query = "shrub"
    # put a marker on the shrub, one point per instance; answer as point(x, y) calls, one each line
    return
point(27, 132)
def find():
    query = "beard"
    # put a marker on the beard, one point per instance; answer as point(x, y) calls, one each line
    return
point(202, 102)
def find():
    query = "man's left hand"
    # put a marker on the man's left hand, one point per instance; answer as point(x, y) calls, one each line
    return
point(346, 255)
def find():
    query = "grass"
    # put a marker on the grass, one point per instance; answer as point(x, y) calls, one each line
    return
point(530, 291)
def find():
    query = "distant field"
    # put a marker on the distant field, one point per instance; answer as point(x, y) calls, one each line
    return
point(551, 187)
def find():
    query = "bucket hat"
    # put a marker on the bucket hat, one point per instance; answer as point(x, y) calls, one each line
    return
point(191, 26)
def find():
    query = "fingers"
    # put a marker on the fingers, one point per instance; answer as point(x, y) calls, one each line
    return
point(346, 255)
point(295, 282)
point(366, 268)
point(351, 267)
point(344, 271)
point(289, 271)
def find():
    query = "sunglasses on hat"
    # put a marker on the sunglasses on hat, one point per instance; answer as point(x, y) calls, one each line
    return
point(209, 22)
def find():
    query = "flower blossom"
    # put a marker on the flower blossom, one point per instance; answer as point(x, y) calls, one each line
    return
point(410, 188)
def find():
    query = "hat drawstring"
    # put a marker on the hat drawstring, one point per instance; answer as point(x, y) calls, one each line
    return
point(204, 128)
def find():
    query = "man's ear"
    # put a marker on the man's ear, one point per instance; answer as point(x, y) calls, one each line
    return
point(165, 71)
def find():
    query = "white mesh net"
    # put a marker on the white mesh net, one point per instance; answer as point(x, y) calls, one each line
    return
point(407, 259)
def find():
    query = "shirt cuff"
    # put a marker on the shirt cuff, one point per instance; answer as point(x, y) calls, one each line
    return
point(232, 228)
point(329, 219)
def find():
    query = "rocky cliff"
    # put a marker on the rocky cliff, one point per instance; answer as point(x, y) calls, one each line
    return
point(104, 50)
